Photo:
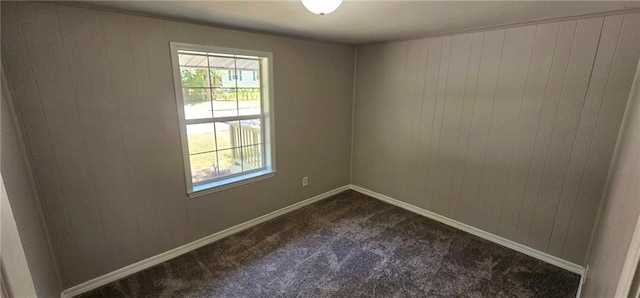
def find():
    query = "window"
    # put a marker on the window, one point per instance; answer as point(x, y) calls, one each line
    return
point(226, 127)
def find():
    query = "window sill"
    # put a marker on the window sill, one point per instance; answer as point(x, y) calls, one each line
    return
point(217, 186)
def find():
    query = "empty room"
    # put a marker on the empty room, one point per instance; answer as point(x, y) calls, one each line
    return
point(320, 148)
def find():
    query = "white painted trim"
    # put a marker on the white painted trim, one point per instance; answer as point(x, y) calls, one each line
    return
point(553, 260)
point(162, 257)
point(630, 266)
point(266, 116)
point(583, 279)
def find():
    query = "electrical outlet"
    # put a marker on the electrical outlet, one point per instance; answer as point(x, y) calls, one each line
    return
point(305, 181)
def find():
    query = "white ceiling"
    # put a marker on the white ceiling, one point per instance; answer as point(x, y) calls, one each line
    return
point(358, 22)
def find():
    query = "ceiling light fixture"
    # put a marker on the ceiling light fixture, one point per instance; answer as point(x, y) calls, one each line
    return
point(321, 7)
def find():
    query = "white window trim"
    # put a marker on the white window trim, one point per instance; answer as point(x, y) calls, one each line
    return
point(266, 85)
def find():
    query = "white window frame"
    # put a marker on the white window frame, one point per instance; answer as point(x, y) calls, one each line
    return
point(267, 121)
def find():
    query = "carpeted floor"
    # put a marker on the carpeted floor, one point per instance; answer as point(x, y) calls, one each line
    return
point(348, 245)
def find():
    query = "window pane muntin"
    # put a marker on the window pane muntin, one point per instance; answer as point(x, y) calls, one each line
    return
point(229, 162)
point(249, 102)
point(248, 67)
point(225, 102)
point(252, 157)
point(197, 103)
point(238, 147)
point(223, 119)
point(221, 66)
point(222, 175)
point(197, 77)
point(252, 103)
point(194, 95)
point(201, 138)
point(232, 161)
point(247, 94)
point(204, 167)
point(251, 132)
point(218, 76)
point(226, 134)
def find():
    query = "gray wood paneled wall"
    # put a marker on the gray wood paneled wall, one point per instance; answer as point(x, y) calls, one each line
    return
point(95, 93)
point(511, 130)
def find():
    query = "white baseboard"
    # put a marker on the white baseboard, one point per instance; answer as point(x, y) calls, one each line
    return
point(583, 279)
point(553, 260)
point(159, 258)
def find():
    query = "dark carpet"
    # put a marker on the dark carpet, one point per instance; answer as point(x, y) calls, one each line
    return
point(349, 245)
